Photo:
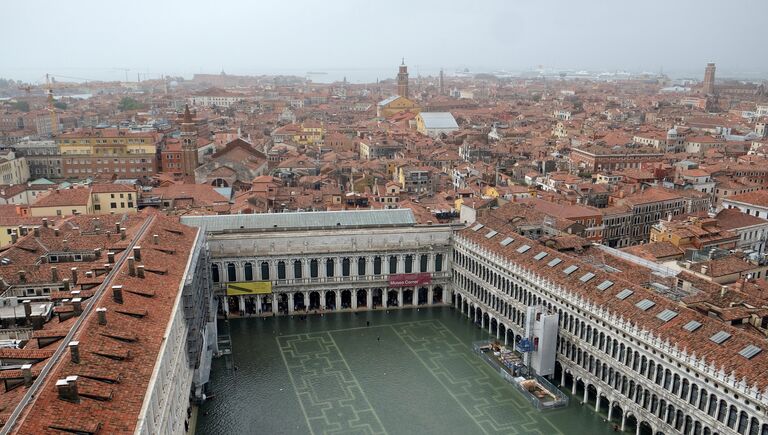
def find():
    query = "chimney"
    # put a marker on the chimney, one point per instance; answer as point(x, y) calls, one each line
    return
point(140, 271)
point(110, 257)
point(27, 308)
point(101, 313)
point(74, 351)
point(155, 239)
point(704, 269)
point(26, 371)
point(67, 388)
point(36, 231)
point(45, 222)
point(54, 274)
point(97, 224)
point(77, 304)
point(117, 293)
point(56, 232)
point(97, 252)
point(109, 234)
point(89, 274)
point(117, 227)
point(22, 276)
point(24, 231)
point(65, 244)
point(131, 266)
point(107, 267)
point(723, 290)
point(122, 233)
point(137, 253)
point(65, 281)
point(74, 275)
point(14, 236)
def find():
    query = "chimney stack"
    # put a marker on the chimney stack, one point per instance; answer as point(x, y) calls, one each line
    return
point(36, 231)
point(67, 388)
point(27, 308)
point(122, 233)
point(65, 281)
point(131, 266)
point(74, 275)
point(101, 313)
point(56, 232)
point(14, 236)
point(77, 304)
point(97, 224)
point(97, 252)
point(65, 244)
point(140, 271)
point(89, 274)
point(155, 239)
point(117, 293)
point(110, 257)
point(22, 276)
point(107, 267)
point(74, 351)
point(109, 234)
point(26, 371)
point(45, 222)
point(137, 253)
point(117, 227)
point(54, 274)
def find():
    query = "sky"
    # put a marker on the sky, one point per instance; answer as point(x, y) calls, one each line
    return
point(84, 39)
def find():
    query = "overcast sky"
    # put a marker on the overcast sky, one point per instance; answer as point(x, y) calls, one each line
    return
point(98, 39)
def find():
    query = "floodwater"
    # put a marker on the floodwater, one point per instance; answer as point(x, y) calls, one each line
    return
point(398, 372)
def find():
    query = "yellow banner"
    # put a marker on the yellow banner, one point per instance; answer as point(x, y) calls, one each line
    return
point(249, 288)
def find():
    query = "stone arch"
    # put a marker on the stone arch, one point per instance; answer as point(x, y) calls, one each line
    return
point(361, 298)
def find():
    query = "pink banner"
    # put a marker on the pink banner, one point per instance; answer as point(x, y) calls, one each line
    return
point(409, 279)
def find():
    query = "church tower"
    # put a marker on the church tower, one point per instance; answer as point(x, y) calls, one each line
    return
point(402, 80)
point(442, 83)
point(189, 160)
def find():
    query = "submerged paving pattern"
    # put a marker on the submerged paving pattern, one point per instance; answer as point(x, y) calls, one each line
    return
point(334, 402)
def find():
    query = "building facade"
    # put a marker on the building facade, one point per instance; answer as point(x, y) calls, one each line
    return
point(91, 152)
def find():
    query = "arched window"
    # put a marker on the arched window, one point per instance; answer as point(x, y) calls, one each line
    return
point(215, 272)
point(281, 270)
point(231, 272)
point(439, 263)
point(248, 268)
point(361, 266)
point(297, 269)
point(392, 264)
point(313, 268)
point(377, 265)
point(408, 263)
point(264, 271)
point(423, 263)
point(345, 267)
point(329, 267)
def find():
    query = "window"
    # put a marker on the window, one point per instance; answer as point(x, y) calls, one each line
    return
point(439, 263)
point(330, 267)
point(345, 267)
point(264, 271)
point(313, 268)
point(281, 270)
point(112, 205)
point(297, 269)
point(392, 264)
point(377, 265)
point(231, 272)
point(248, 268)
point(361, 266)
point(423, 262)
point(215, 272)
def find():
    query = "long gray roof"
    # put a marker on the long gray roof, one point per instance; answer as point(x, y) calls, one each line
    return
point(302, 220)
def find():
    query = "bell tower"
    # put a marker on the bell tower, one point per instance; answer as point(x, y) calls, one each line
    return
point(189, 161)
point(402, 80)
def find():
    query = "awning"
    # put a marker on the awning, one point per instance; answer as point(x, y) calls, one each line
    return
point(249, 288)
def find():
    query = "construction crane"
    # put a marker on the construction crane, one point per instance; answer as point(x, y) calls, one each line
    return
point(51, 108)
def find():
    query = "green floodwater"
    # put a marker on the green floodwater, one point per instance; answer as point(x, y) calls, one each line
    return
point(409, 372)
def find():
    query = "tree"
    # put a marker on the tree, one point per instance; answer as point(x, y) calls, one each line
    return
point(60, 105)
point(21, 105)
point(128, 103)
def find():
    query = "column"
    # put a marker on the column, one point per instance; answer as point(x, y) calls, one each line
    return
point(586, 393)
point(290, 303)
point(573, 388)
point(369, 298)
point(506, 335)
point(610, 410)
point(666, 413)
point(623, 420)
point(562, 377)
point(637, 429)
point(597, 401)
point(306, 301)
point(322, 300)
point(305, 267)
point(385, 264)
point(225, 303)
point(258, 304)
point(241, 304)
point(400, 297)
point(274, 304)
point(430, 295)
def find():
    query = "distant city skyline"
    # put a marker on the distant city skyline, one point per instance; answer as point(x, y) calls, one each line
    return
point(84, 40)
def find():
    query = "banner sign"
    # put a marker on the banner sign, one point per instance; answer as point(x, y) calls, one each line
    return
point(249, 288)
point(409, 279)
